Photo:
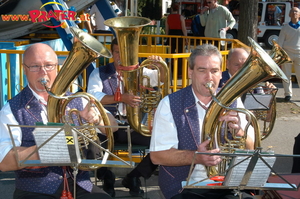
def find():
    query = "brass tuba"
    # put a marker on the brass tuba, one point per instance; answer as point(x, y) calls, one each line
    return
point(258, 67)
point(268, 116)
point(127, 31)
point(84, 51)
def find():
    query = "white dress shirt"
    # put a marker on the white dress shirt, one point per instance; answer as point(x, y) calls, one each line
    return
point(7, 117)
point(95, 85)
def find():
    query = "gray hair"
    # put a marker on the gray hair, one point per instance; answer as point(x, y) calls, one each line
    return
point(204, 50)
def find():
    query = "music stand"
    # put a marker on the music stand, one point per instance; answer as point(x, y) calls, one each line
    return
point(57, 145)
point(253, 158)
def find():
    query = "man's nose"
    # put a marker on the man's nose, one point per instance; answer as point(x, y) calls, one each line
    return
point(43, 70)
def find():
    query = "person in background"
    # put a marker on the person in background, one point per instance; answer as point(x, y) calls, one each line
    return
point(175, 25)
point(235, 61)
point(188, 11)
point(289, 40)
point(178, 121)
point(27, 108)
point(103, 84)
point(215, 18)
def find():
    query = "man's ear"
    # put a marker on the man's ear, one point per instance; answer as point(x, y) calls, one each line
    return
point(24, 70)
point(190, 71)
point(227, 63)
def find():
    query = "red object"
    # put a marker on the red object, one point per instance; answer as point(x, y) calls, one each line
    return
point(66, 194)
point(215, 184)
point(117, 96)
point(218, 178)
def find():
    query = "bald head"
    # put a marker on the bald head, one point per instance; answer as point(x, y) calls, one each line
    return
point(36, 57)
point(236, 59)
point(38, 48)
point(294, 14)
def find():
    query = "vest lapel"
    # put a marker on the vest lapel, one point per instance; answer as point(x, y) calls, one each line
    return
point(192, 116)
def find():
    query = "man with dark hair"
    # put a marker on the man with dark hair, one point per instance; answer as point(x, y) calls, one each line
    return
point(178, 121)
point(103, 84)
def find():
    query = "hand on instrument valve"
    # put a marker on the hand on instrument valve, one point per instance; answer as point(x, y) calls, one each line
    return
point(157, 60)
point(233, 122)
point(91, 114)
point(208, 160)
point(131, 100)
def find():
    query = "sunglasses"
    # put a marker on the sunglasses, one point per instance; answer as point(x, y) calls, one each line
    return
point(209, 2)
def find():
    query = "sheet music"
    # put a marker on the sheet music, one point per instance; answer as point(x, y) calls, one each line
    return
point(54, 151)
point(251, 103)
point(259, 175)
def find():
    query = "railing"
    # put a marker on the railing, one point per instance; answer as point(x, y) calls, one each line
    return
point(13, 79)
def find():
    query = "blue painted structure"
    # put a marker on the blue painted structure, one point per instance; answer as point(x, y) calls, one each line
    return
point(63, 44)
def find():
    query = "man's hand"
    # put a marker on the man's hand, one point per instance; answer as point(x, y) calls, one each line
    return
point(269, 88)
point(233, 122)
point(155, 61)
point(131, 99)
point(204, 9)
point(208, 160)
point(90, 113)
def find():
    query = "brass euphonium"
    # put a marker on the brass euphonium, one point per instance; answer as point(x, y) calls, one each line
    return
point(258, 67)
point(268, 117)
point(127, 31)
point(84, 51)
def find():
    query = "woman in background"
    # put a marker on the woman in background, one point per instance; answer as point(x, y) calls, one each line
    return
point(175, 25)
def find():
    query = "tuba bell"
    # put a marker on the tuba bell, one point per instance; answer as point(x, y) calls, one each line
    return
point(84, 51)
point(258, 67)
point(268, 117)
point(127, 31)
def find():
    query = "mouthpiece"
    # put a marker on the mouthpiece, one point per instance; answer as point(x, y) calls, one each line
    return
point(209, 85)
point(43, 81)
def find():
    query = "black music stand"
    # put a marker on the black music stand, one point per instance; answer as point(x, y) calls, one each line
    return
point(248, 160)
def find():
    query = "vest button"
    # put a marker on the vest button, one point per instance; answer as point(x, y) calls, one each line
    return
point(60, 177)
point(187, 110)
point(27, 107)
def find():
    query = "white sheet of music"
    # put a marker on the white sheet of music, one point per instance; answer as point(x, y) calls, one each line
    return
point(259, 175)
point(264, 101)
point(54, 151)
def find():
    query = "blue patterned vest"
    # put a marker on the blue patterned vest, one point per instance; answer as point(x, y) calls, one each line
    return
point(27, 111)
point(109, 79)
point(185, 114)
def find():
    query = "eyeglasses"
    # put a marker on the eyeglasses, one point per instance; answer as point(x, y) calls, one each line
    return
point(208, 2)
point(37, 68)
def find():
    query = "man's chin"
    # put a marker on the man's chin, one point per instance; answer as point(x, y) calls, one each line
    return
point(40, 89)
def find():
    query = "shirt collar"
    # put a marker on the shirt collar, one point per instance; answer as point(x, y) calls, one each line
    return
point(295, 26)
point(198, 101)
point(39, 98)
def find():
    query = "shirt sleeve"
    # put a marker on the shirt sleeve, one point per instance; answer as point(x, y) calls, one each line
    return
point(6, 117)
point(152, 74)
point(95, 85)
point(281, 36)
point(229, 17)
point(244, 121)
point(164, 132)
